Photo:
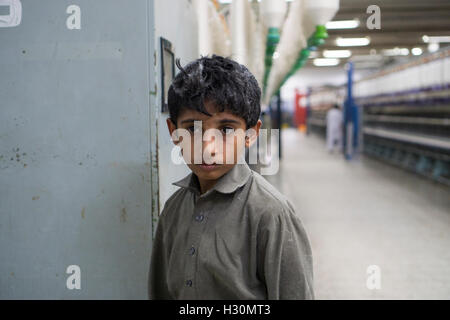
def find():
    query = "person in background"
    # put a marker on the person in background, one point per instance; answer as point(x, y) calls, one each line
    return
point(334, 128)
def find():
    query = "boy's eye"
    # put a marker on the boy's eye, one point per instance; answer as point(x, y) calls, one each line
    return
point(227, 130)
point(193, 128)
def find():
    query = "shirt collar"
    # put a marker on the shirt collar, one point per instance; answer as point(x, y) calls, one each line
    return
point(228, 183)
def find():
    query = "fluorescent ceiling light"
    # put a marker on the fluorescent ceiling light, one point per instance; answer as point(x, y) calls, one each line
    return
point(416, 51)
point(396, 52)
point(337, 53)
point(325, 62)
point(429, 39)
point(352, 42)
point(433, 47)
point(343, 24)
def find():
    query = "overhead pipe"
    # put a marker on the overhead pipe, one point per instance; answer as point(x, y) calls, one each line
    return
point(248, 37)
point(313, 41)
point(311, 17)
point(317, 14)
point(291, 42)
point(205, 45)
point(220, 32)
point(239, 48)
point(273, 13)
point(257, 45)
point(213, 36)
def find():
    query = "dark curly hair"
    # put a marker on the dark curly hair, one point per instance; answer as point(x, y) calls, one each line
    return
point(228, 84)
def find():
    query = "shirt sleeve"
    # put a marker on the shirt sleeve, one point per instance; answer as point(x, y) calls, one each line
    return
point(157, 283)
point(285, 256)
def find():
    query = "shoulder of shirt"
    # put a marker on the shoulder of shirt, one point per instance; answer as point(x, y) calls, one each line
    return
point(268, 199)
point(174, 199)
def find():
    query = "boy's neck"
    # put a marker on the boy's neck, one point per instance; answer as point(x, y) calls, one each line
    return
point(206, 185)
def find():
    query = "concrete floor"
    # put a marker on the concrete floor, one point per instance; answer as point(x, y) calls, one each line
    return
point(363, 213)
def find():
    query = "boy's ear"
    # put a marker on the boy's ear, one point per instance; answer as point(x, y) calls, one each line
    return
point(172, 127)
point(252, 134)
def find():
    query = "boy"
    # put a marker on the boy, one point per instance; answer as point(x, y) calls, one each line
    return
point(226, 233)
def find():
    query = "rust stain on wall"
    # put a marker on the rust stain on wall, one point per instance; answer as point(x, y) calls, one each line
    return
point(123, 215)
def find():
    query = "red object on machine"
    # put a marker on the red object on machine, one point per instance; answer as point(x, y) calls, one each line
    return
point(300, 110)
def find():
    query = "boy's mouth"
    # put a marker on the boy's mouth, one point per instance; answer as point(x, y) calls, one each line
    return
point(208, 167)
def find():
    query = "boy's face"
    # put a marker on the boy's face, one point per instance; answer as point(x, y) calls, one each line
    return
point(219, 144)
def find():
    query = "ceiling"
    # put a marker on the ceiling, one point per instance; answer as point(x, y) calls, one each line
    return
point(403, 24)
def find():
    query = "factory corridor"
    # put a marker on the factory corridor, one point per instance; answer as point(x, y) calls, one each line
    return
point(364, 213)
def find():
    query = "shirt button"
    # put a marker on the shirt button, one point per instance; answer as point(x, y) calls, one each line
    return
point(189, 283)
point(192, 250)
point(199, 218)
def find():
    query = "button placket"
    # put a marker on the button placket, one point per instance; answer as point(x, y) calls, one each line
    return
point(199, 217)
point(197, 226)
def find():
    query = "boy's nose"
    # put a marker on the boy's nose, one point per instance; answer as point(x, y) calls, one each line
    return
point(210, 146)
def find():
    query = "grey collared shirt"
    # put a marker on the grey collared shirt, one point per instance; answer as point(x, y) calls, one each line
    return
point(240, 240)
